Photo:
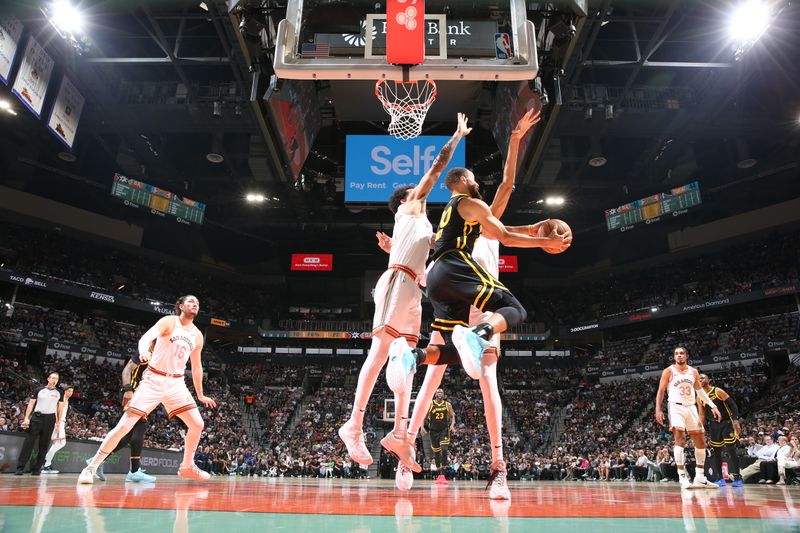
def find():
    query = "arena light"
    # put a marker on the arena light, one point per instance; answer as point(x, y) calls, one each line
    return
point(255, 198)
point(65, 18)
point(654, 309)
point(5, 105)
point(748, 23)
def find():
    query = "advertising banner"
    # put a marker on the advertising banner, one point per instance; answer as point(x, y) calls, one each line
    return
point(376, 165)
point(508, 263)
point(66, 113)
point(33, 77)
point(658, 367)
point(320, 262)
point(72, 457)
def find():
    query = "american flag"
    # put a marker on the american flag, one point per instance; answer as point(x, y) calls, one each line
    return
point(315, 50)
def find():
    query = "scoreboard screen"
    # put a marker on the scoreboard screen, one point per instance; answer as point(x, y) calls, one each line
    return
point(650, 209)
point(160, 202)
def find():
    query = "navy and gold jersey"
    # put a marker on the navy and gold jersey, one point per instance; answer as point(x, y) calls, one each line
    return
point(455, 233)
point(438, 416)
point(137, 373)
point(724, 410)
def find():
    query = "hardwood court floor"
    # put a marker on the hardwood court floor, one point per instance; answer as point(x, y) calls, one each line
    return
point(230, 505)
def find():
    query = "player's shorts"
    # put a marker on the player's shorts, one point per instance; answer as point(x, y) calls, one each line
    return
point(456, 282)
point(155, 389)
point(721, 433)
point(439, 438)
point(684, 417)
point(476, 317)
point(398, 304)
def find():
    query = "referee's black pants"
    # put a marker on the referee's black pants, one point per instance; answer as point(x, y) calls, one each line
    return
point(40, 431)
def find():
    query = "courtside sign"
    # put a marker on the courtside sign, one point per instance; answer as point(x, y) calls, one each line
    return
point(378, 164)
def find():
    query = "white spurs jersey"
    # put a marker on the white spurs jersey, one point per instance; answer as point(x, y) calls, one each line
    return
point(172, 351)
point(681, 386)
point(486, 252)
point(411, 241)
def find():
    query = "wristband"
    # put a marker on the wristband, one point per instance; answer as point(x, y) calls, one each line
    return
point(127, 388)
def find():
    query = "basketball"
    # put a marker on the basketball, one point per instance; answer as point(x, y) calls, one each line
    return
point(551, 228)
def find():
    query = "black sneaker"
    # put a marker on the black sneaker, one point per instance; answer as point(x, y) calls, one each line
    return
point(18, 473)
point(36, 473)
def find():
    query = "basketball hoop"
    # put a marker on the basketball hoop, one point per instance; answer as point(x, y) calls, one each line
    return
point(407, 103)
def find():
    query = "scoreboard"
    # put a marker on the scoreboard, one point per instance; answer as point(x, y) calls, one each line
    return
point(160, 202)
point(650, 209)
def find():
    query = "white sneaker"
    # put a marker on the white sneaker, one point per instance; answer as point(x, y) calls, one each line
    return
point(701, 482)
point(404, 478)
point(685, 483)
point(498, 486)
point(401, 366)
point(87, 476)
point(354, 442)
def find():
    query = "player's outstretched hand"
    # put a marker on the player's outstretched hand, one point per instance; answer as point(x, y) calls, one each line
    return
point(126, 397)
point(660, 417)
point(717, 414)
point(384, 241)
point(208, 402)
point(557, 242)
point(462, 125)
point(526, 122)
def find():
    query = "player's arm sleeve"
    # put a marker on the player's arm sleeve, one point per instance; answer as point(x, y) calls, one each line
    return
point(733, 407)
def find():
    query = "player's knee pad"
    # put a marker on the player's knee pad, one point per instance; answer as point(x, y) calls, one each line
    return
point(513, 313)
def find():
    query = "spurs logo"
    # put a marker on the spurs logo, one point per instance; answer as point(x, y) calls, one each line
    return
point(408, 18)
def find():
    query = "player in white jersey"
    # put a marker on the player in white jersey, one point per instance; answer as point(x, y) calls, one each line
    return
point(486, 252)
point(398, 298)
point(59, 438)
point(683, 383)
point(177, 340)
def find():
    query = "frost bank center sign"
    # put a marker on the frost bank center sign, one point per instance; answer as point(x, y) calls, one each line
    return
point(378, 164)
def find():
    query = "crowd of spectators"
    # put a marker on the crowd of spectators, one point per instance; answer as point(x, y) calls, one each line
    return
point(53, 255)
point(762, 264)
point(745, 334)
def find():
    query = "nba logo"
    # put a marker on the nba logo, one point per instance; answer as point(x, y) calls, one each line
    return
point(502, 44)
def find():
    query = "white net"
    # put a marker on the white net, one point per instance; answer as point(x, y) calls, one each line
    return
point(407, 103)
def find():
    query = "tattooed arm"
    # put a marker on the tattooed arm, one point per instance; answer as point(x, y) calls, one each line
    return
point(423, 189)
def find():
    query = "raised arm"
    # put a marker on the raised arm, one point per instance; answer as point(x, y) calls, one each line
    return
point(423, 188)
point(492, 228)
point(506, 187)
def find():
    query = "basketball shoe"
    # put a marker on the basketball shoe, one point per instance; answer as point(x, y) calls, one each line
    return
point(354, 442)
point(498, 484)
point(401, 366)
point(192, 472)
point(701, 482)
point(404, 478)
point(403, 450)
point(140, 477)
point(685, 481)
point(470, 348)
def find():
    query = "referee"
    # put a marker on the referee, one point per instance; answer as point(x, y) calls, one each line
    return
point(41, 417)
point(723, 434)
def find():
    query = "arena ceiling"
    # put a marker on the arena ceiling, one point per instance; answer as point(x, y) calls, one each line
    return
point(169, 82)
